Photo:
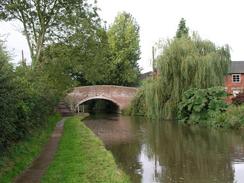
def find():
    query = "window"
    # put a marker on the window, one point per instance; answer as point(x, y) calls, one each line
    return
point(236, 78)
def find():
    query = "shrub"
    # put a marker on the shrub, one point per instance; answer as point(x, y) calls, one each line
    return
point(8, 99)
point(198, 105)
point(27, 98)
point(232, 118)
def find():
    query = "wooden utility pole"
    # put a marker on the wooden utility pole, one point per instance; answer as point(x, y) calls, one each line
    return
point(23, 61)
point(153, 63)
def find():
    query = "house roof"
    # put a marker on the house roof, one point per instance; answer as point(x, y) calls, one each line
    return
point(236, 67)
point(146, 75)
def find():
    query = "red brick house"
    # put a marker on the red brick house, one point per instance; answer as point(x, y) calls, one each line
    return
point(234, 81)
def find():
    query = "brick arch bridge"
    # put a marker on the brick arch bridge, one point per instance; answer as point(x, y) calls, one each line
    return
point(119, 95)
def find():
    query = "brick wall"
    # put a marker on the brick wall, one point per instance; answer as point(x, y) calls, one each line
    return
point(119, 95)
point(230, 86)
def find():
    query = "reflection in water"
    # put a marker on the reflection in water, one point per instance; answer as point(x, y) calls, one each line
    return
point(167, 152)
point(152, 171)
point(239, 172)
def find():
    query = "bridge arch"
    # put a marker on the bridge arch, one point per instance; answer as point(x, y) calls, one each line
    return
point(119, 95)
point(98, 98)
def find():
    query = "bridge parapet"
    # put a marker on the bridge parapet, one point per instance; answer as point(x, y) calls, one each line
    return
point(120, 95)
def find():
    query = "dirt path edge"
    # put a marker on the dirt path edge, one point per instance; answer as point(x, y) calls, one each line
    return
point(34, 173)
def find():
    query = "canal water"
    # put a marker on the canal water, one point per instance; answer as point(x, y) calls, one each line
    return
point(167, 152)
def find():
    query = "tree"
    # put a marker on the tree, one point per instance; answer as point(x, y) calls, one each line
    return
point(123, 38)
point(93, 57)
point(184, 63)
point(46, 20)
point(182, 29)
point(189, 63)
point(84, 57)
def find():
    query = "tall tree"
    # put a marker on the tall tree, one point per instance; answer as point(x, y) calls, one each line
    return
point(188, 63)
point(84, 57)
point(46, 20)
point(182, 30)
point(184, 63)
point(123, 38)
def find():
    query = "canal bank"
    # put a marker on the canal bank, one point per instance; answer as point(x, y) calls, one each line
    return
point(82, 157)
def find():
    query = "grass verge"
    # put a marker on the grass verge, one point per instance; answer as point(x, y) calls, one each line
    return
point(82, 157)
point(21, 155)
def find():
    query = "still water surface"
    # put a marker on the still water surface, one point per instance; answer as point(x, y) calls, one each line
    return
point(166, 152)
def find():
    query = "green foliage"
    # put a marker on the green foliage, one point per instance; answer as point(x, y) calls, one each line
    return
point(70, 35)
point(207, 107)
point(65, 35)
point(198, 105)
point(84, 156)
point(27, 97)
point(232, 118)
point(82, 58)
point(123, 39)
point(182, 30)
point(8, 101)
point(47, 21)
point(137, 106)
point(91, 55)
point(184, 63)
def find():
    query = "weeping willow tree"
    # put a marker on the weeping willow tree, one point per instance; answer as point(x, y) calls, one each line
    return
point(185, 62)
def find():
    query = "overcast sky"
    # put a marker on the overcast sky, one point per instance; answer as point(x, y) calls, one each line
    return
point(221, 21)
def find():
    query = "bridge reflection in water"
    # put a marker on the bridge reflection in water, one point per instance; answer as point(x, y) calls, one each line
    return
point(166, 152)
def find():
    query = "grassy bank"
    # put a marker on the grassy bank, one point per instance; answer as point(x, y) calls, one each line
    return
point(82, 157)
point(21, 155)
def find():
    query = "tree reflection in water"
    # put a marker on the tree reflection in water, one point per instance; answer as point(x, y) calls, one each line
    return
point(168, 152)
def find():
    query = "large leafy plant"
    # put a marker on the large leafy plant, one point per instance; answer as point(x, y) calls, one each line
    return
point(198, 105)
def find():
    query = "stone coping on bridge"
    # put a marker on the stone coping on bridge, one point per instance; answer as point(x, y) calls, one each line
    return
point(106, 86)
